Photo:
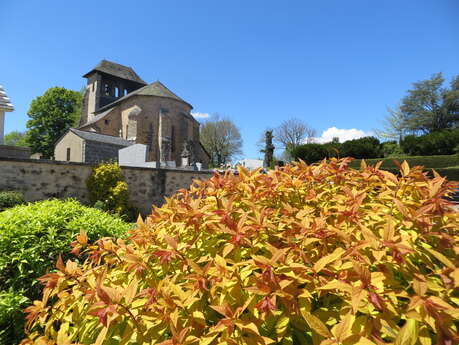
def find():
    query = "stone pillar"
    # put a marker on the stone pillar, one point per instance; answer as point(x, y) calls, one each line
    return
point(2, 121)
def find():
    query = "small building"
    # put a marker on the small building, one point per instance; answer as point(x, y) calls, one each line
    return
point(88, 147)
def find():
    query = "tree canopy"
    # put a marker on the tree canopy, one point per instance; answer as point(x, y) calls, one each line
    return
point(15, 138)
point(221, 139)
point(51, 115)
point(430, 107)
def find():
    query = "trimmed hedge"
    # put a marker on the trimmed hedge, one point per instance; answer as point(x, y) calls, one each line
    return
point(444, 142)
point(31, 238)
point(431, 162)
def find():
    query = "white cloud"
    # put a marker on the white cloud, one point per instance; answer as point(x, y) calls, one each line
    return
point(200, 115)
point(342, 134)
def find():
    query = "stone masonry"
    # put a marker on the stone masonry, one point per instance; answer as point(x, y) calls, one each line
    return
point(44, 179)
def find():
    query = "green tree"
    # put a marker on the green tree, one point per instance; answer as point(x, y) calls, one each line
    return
point(430, 107)
point(221, 139)
point(51, 115)
point(15, 138)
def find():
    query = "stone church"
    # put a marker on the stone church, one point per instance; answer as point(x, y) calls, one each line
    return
point(120, 109)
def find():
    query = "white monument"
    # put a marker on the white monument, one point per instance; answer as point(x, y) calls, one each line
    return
point(5, 106)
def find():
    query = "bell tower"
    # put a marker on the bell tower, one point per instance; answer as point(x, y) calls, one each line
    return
point(106, 83)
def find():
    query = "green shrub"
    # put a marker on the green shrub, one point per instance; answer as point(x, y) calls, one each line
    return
point(307, 254)
point(367, 147)
point(310, 153)
point(435, 143)
point(11, 316)
point(10, 198)
point(31, 238)
point(391, 149)
point(107, 188)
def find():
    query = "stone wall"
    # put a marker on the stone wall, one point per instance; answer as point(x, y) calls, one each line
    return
point(7, 151)
point(43, 179)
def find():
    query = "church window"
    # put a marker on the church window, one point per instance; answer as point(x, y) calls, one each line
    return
point(106, 122)
point(127, 127)
point(117, 92)
point(125, 92)
point(93, 86)
point(106, 90)
point(68, 153)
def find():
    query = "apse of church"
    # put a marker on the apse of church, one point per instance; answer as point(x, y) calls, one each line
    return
point(144, 114)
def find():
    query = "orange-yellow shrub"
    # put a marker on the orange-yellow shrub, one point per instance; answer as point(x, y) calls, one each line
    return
point(319, 254)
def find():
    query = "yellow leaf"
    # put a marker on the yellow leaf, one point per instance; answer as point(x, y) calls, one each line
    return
point(405, 168)
point(131, 291)
point(336, 284)
point(363, 164)
point(408, 335)
point(443, 259)
point(247, 326)
point(101, 336)
point(322, 262)
point(343, 327)
point(62, 337)
point(199, 317)
point(315, 324)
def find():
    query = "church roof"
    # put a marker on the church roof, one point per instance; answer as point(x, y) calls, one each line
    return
point(5, 103)
point(154, 89)
point(116, 70)
point(101, 138)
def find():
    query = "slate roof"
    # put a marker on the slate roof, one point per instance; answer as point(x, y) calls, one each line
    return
point(116, 70)
point(154, 89)
point(101, 138)
point(96, 118)
point(5, 103)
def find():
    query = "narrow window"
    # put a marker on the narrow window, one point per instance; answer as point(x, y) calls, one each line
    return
point(125, 92)
point(106, 122)
point(107, 90)
point(68, 153)
point(127, 127)
point(93, 86)
point(173, 139)
point(117, 92)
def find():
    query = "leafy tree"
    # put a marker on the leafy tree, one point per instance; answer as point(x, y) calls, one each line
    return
point(292, 133)
point(51, 115)
point(366, 147)
point(221, 139)
point(430, 107)
point(15, 138)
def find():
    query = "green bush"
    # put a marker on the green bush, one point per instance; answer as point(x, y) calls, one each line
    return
point(367, 147)
point(31, 238)
point(391, 149)
point(108, 190)
point(436, 143)
point(10, 198)
point(310, 153)
point(11, 317)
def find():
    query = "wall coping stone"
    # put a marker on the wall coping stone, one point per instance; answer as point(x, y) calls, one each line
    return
point(49, 161)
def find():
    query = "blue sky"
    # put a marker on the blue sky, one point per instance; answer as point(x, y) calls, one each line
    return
point(331, 63)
